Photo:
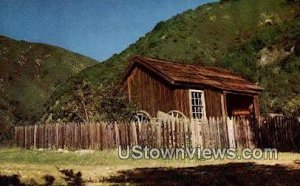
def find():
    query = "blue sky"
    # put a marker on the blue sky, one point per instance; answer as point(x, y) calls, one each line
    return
point(95, 28)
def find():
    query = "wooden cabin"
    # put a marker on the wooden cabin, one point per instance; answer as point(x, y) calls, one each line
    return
point(196, 91)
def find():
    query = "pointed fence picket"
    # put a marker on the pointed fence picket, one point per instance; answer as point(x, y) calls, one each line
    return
point(277, 132)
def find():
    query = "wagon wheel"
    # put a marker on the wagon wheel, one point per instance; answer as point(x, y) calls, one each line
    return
point(177, 114)
point(141, 116)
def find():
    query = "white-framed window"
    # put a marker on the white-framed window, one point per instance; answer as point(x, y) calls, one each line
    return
point(197, 104)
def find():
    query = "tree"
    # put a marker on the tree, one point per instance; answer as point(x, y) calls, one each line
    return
point(297, 48)
point(88, 103)
point(114, 104)
point(292, 1)
point(6, 116)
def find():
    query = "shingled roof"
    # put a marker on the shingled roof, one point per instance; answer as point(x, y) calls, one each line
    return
point(187, 74)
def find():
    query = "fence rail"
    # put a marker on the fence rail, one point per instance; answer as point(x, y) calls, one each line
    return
point(279, 132)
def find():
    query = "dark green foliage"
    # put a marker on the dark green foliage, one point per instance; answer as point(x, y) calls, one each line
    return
point(29, 73)
point(293, 1)
point(279, 78)
point(159, 25)
point(6, 133)
point(88, 103)
point(114, 105)
point(283, 95)
point(6, 117)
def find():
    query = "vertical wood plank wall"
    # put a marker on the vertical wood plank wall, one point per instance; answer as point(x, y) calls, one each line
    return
point(152, 94)
point(213, 103)
point(181, 101)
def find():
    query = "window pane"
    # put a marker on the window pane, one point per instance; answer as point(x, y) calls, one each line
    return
point(196, 104)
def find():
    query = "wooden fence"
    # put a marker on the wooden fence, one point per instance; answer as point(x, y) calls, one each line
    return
point(209, 133)
point(282, 133)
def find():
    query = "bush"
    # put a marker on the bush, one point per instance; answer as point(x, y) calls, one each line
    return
point(6, 134)
point(88, 103)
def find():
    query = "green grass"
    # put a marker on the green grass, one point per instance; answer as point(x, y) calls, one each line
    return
point(57, 158)
point(32, 164)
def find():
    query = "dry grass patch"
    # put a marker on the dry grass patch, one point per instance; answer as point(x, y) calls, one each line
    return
point(101, 165)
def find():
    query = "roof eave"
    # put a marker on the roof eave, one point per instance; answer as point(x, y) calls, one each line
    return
point(136, 60)
point(251, 91)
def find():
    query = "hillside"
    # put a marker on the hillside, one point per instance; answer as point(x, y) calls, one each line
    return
point(253, 38)
point(204, 35)
point(29, 73)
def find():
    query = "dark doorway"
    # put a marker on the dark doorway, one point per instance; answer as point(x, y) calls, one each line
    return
point(239, 105)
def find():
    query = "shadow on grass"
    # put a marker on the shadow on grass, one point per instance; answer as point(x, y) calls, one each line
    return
point(71, 178)
point(11, 180)
point(225, 174)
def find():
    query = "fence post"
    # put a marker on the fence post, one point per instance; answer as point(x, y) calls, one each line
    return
point(213, 132)
point(219, 133)
point(16, 136)
point(196, 125)
point(56, 140)
point(225, 132)
point(192, 136)
point(25, 136)
point(203, 132)
point(158, 132)
point(117, 134)
point(231, 138)
point(34, 136)
point(134, 133)
point(173, 133)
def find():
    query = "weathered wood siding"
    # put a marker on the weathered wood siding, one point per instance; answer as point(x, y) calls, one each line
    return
point(149, 92)
point(256, 105)
point(213, 103)
point(152, 94)
point(181, 101)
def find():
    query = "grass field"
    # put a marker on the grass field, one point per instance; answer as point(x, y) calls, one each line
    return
point(105, 165)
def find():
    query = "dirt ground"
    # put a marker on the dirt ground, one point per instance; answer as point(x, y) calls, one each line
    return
point(105, 168)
